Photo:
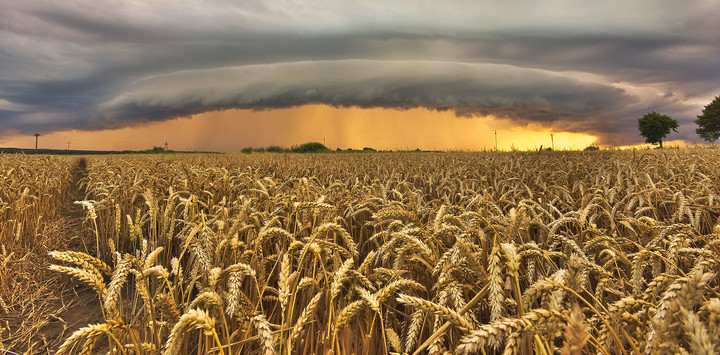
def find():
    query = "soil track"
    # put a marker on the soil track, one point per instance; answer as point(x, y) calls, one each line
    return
point(77, 305)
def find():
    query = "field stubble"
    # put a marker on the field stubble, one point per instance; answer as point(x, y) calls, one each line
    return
point(571, 252)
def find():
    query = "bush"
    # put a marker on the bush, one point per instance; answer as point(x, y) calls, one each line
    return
point(274, 149)
point(155, 150)
point(311, 147)
point(246, 150)
point(591, 148)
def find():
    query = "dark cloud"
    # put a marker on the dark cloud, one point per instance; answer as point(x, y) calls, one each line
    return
point(366, 83)
point(578, 67)
point(523, 95)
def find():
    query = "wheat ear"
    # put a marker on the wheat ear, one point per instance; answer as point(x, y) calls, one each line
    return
point(305, 317)
point(266, 338)
point(194, 317)
point(577, 332)
point(476, 340)
point(446, 313)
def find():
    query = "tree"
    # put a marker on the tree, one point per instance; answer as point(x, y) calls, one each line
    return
point(709, 122)
point(654, 127)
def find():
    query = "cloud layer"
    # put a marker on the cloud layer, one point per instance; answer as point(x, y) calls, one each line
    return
point(571, 65)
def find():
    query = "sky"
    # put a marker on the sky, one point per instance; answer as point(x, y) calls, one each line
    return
point(227, 74)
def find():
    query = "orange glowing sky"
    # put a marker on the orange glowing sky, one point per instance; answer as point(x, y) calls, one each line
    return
point(386, 129)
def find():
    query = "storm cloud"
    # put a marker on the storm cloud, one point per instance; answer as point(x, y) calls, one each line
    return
point(468, 89)
point(571, 65)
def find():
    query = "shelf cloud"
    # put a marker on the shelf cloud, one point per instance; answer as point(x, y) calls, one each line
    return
point(468, 89)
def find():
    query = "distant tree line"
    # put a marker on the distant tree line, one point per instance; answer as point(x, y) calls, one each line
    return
point(310, 147)
point(655, 126)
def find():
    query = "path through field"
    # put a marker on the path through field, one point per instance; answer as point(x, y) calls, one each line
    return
point(72, 305)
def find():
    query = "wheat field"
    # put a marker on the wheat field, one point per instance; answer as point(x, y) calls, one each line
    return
point(608, 252)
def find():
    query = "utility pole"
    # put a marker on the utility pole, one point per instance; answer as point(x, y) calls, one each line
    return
point(324, 142)
point(36, 141)
point(552, 142)
point(166, 146)
point(68, 148)
point(496, 149)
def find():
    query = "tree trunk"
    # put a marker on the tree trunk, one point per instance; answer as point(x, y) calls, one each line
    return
point(661, 144)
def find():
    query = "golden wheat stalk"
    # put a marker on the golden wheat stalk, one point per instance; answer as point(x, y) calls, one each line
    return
point(197, 319)
point(444, 312)
point(266, 338)
point(476, 340)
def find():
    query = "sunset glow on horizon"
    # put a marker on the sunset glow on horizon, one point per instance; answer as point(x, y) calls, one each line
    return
point(354, 128)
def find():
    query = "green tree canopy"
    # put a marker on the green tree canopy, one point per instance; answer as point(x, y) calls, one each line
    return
point(311, 147)
point(654, 127)
point(709, 122)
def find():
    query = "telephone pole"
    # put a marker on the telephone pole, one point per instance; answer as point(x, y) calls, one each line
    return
point(552, 142)
point(68, 148)
point(496, 149)
point(36, 141)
